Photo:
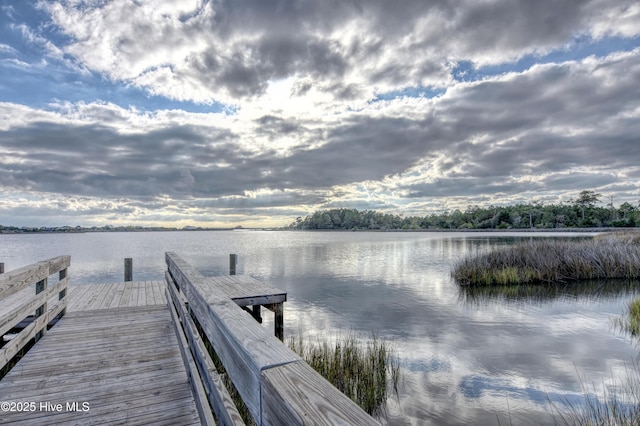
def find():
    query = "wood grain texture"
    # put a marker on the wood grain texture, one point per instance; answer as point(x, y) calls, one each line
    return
point(294, 394)
point(245, 290)
point(221, 401)
point(116, 295)
point(244, 347)
point(13, 281)
point(10, 317)
point(29, 332)
point(124, 362)
point(197, 388)
point(290, 392)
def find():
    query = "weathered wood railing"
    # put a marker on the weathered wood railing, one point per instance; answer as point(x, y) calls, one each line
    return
point(275, 384)
point(20, 301)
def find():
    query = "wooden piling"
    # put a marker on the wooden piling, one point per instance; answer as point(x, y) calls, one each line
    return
point(233, 261)
point(278, 319)
point(1, 267)
point(128, 269)
point(255, 313)
point(278, 323)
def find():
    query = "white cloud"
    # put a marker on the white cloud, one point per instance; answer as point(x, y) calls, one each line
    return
point(236, 53)
point(306, 130)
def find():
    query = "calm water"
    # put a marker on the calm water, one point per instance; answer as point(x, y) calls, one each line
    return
point(466, 359)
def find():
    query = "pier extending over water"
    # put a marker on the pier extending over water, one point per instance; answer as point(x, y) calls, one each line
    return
point(138, 352)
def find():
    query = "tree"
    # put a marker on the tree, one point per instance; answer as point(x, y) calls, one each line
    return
point(587, 199)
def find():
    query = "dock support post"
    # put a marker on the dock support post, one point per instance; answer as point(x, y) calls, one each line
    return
point(42, 309)
point(128, 269)
point(1, 267)
point(278, 318)
point(255, 313)
point(233, 261)
point(278, 323)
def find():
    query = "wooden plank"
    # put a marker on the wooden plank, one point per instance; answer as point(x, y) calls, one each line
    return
point(294, 394)
point(246, 290)
point(74, 293)
point(133, 295)
point(29, 332)
point(81, 298)
point(114, 295)
point(125, 362)
point(90, 379)
point(159, 292)
point(13, 281)
point(59, 263)
point(91, 293)
point(157, 402)
point(9, 319)
point(105, 390)
point(116, 300)
point(126, 296)
point(142, 297)
point(109, 294)
point(104, 296)
point(222, 403)
point(18, 298)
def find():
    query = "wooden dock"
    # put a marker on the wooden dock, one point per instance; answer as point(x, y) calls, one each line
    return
point(114, 357)
point(131, 353)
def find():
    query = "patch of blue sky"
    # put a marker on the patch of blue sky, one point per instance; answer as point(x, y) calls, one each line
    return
point(580, 48)
point(37, 87)
point(410, 92)
point(28, 79)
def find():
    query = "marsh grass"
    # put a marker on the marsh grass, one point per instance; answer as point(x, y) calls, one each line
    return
point(366, 373)
point(619, 404)
point(630, 321)
point(633, 317)
point(611, 256)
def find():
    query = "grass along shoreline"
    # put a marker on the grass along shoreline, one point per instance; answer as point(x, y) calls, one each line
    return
point(609, 256)
point(366, 373)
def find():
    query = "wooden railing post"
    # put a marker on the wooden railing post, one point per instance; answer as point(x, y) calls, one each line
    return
point(128, 269)
point(44, 313)
point(42, 309)
point(61, 276)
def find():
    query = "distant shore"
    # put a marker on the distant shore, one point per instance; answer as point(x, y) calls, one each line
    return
point(80, 230)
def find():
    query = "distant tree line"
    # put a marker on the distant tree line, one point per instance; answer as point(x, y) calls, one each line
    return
point(579, 213)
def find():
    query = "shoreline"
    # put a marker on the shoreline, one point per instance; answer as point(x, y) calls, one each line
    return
point(512, 230)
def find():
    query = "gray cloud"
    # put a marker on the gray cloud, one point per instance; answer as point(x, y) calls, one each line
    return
point(487, 135)
point(305, 130)
point(236, 48)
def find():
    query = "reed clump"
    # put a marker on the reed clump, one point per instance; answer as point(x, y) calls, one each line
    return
point(630, 322)
point(619, 404)
point(612, 256)
point(364, 373)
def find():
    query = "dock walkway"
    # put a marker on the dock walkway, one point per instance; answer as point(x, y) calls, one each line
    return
point(140, 353)
point(112, 359)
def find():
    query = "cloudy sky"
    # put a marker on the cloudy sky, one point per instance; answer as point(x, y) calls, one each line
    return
point(254, 112)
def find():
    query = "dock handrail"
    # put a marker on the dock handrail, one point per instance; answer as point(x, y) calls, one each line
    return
point(22, 302)
point(276, 385)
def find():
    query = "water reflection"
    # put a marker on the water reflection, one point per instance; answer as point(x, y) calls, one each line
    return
point(546, 293)
point(469, 355)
